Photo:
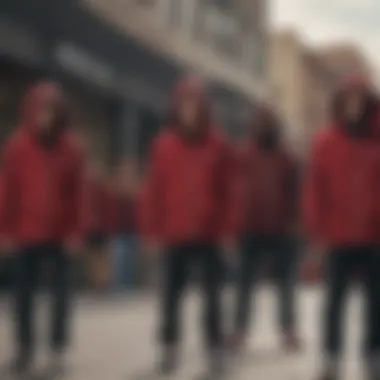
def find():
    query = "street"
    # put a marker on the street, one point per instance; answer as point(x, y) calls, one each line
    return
point(115, 339)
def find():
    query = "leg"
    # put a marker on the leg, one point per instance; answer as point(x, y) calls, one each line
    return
point(250, 257)
point(372, 287)
point(27, 269)
point(285, 259)
point(176, 272)
point(130, 266)
point(60, 287)
point(339, 265)
point(118, 260)
point(212, 280)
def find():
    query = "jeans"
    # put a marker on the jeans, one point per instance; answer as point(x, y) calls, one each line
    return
point(342, 263)
point(284, 252)
point(124, 252)
point(179, 261)
point(28, 266)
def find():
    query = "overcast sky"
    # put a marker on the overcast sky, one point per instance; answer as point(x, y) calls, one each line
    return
point(322, 21)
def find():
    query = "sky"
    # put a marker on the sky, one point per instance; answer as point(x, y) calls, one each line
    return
point(323, 21)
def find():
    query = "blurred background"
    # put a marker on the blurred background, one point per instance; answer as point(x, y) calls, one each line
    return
point(117, 60)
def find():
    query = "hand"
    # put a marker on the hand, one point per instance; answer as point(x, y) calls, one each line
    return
point(151, 247)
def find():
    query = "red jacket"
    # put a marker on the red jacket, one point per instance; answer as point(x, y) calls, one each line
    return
point(269, 179)
point(342, 190)
point(44, 188)
point(189, 194)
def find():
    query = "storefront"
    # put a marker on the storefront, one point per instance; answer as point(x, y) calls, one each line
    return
point(115, 87)
point(22, 58)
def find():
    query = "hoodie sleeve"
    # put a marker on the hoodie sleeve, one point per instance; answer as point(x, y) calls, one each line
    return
point(314, 192)
point(150, 200)
point(8, 191)
point(230, 188)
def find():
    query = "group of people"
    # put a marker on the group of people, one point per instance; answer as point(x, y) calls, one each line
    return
point(203, 203)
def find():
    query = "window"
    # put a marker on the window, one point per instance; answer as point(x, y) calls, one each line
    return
point(226, 31)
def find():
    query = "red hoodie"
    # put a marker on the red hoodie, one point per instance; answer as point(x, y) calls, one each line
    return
point(189, 191)
point(342, 191)
point(269, 178)
point(44, 196)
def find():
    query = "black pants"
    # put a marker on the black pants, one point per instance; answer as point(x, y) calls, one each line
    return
point(284, 253)
point(179, 261)
point(28, 269)
point(342, 264)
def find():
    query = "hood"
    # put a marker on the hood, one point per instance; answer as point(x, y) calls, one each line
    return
point(367, 124)
point(265, 127)
point(190, 87)
point(35, 99)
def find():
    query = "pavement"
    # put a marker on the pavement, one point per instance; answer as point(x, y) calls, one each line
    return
point(115, 338)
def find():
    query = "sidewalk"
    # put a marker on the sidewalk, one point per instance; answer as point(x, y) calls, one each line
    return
point(115, 340)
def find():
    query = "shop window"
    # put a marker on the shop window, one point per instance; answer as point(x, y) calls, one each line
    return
point(90, 119)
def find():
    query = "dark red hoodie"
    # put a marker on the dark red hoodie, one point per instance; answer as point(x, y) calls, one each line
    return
point(342, 193)
point(269, 181)
point(44, 196)
point(189, 194)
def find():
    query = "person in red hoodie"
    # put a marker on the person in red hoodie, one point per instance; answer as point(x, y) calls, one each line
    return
point(42, 214)
point(121, 223)
point(189, 214)
point(341, 210)
point(98, 236)
point(269, 191)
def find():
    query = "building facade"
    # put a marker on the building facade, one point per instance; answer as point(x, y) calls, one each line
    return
point(345, 59)
point(225, 41)
point(301, 86)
